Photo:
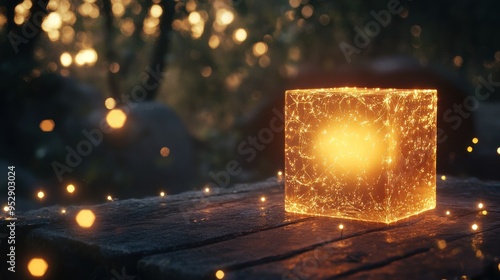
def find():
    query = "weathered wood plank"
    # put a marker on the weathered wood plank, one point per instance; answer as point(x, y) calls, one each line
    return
point(190, 236)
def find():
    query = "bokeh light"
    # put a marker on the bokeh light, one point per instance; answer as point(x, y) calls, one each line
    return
point(475, 140)
point(66, 59)
point(219, 274)
point(70, 188)
point(40, 194)
point(110, 103)
point(448, 213)
point(85, 218)
point(240, 35)
point(480, 205)
point(475, 227)
point(443, 177)
point(469, 149)
point(164, 152)
point(37, 267)
point(259, 49)
point(224, 17)
point(116, 118)
point(47, 125)
point(263, 199)
point(162, 194)
point(341, 226)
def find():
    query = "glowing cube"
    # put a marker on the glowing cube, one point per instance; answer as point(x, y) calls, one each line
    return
point(364, 154)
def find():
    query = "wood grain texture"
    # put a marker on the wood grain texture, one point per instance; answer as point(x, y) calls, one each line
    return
point(192, 235)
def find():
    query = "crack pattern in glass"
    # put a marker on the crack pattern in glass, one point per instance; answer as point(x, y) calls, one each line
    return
point(357, 153)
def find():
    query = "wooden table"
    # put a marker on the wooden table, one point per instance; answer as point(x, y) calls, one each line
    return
point(195, 234)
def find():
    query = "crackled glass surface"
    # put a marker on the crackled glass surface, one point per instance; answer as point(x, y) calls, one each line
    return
point(364, 154)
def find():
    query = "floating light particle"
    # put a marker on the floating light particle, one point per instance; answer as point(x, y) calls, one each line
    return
point(194, 18)
point(498, 150)
point(263, 199)
point(469, 149)
point(458, 61)
point(162, 194)
point(475, 140)
point(207, 190)
point(114, 67)
point(47, 125)
point(41, 194)
point(474, 227)
point(63, 211)
point(280, 173)
point(110, 198)
point(164, 152)
point(484, 212)
point(259, 49)
point(219, 274)
point(85, 218)
point(110, 103)
point(6, 208)
point(224, 17)
point(239, 35)
point(156, 11)
point(448, 213)
point(37, 267)
point(116, 118)
point(70, 188)
point(341, 226)
point(66, 59)
point(480, 205)
point(441, 244)
point(443, 177)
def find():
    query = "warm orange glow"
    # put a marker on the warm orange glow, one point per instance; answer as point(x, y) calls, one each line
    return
point(341, 226)
point(443, 177)
point(364, 154)
point(66, 59)
point(71, 188)
point(263, 199)
point(47, 125)
point(224, 17)
point(116, 118)
point(162, 194)
point(259, 49)
point(475, 227)
point(448, 213)
point(475, 140)
point(207, 190)
point(6, 208)
point(110, 103)
point(480, 205)
point(85, 218)
point(37, 267)
point(484, 212)
point(469, 149)
point(239, 35)
point(164, 152)
point(219, 274)
point(63, 211)
point(109, 198)
point(41, 194)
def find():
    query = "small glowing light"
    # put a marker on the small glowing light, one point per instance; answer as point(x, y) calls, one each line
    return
point(53, 21)
point(164, 152)
point(66, 59)
point(47, 125)
point(484, 212)
point(443, 177)
point(110, 103)
point(156, 11)
point(498, 150)
point(224, 17)
point(114, 67)
point(498, 266)
point(194, 18)
point(207, 190)
point(70, 188)
point(37, 267)
point(85, 218)
point(240, 35)
point(109, 198)
point(280, 173)
point(441, 244)
point(469, 149)
point(40, 194)
point(341, 226)
point(86, 57)
point(6, 208)
point(480, 205)
point(475, 140)
point(162, 194)
point(475, 227)
point(260, 49)
point(458, 61)
point(307, 11)
point(448, 213)
point(63, 211)
point(219, 274)
point(263, 199)
point(214, 42)
point(116, 118)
